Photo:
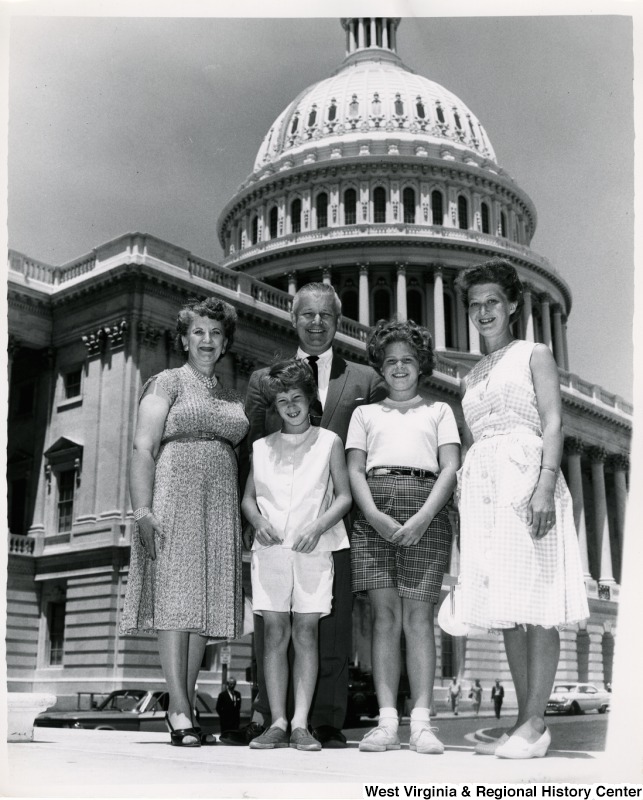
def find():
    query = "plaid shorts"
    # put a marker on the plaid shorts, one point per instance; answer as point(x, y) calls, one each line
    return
point(415, 571)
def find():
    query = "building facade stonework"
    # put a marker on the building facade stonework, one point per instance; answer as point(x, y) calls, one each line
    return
point(375, 180)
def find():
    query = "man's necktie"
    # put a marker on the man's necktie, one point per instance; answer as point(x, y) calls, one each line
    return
point(316, 409)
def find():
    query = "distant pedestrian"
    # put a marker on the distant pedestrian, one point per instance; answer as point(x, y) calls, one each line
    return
point(497, 695)
point(455, 690)
point(476, 696)
point(229, 707)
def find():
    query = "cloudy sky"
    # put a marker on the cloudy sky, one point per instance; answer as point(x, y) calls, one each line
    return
point(121, 124)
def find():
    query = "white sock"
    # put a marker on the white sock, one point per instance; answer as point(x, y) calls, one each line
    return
point(388, 719)
point(420, 718)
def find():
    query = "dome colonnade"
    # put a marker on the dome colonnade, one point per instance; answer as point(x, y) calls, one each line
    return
point(385, 184)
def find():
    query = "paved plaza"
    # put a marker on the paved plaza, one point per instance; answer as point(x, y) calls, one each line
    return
point(71, 763)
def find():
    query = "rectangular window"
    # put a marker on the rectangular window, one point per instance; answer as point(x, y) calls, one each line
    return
point(56, 632)
point(72, 383)
point(66, 481)
point(447, 665)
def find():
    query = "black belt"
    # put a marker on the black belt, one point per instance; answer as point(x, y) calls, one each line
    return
point(197, 436)
point(414, 472)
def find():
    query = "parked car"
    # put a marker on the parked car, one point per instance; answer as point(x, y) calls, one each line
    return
point(129, 710)
point(576, 698)
point(362, 700)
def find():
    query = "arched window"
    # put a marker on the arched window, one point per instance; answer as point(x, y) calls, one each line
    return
point(379, 205)
point(350, 207)
point(381, 304)
point(408, 201)
point(376, 105)
point(463, 213)
point(503, 224)
point(312, 117)
point(273, 222)
point(350, 304)
point(456, 117)
point(294, 125)
point(353, 108)
point(332, 110)
point(295, 216)
point(440, 112)
point(399, 105)
point(419, 107)
point(414, 305)
point(437, 208)
point(322, 210)
point(254, 230)
point(484, 218)
point(239, 238)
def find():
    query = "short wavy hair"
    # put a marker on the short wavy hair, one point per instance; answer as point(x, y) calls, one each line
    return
point(387, 332)
point(498, 271)
point(323, 289)
point(285, 375)
point(210, 307)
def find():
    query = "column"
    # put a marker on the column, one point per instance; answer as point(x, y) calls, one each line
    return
point(360, 32)
point(474, 339)
point(559, 353)
point(565, 350)
point(428, 303)
point(393, 37)
point(373, 32)
point(292, 283)
point(326, 276)
point(401, 292)
point(385, 33)
point(528, 313)
point(597, 456)
point(546, 319)
point(348, 42)
point(438, 309)
point(364, 316)
point(353, 37)
point(620, 465)
point(574, 448)
point(462, 319)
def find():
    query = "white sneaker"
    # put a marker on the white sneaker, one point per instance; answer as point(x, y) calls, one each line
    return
point(425, 741)
point(517, 747)
point(380, 739)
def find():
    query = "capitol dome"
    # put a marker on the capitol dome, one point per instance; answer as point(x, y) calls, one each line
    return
point(385, 184)
point(373, 94)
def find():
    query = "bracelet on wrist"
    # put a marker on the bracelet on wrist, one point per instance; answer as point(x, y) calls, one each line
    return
point(551, 469)
point(141, 512)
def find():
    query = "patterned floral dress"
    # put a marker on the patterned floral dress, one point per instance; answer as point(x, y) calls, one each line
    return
point(508, 578)
point(195, 582)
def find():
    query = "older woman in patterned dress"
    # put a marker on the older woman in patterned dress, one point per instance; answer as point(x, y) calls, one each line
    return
point(185, 570)
point(520, 569)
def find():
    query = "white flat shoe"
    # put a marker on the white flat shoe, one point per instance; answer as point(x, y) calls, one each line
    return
point(425, 741)
point(378, 740)
point(489, 748)
point(517, 747)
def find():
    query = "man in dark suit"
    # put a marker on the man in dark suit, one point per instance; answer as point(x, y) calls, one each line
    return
point(342, 385)
point(497, 695)
point(229, 707)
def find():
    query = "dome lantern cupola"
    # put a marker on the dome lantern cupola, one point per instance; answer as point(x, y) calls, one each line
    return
point(369, 37)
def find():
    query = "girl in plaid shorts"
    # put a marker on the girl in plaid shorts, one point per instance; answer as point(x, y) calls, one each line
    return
point(403, 454)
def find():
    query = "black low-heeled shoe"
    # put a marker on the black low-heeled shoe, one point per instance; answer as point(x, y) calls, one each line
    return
point(178, 735)
point(207, 739)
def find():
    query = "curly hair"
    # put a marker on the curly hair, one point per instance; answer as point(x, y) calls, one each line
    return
point(285, 375)
point(497, 271)
point(386, 332)
point(210, 307)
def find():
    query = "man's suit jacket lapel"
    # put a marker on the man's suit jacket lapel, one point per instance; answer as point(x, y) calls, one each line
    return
point(336, 385)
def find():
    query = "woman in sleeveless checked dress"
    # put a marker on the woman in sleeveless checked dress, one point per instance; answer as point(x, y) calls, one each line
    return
point(520, 564)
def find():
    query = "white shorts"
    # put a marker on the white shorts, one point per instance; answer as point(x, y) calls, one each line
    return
point(285, 580)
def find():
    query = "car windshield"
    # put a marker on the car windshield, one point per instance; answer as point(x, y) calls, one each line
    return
point(562, 689)
point(122, 701)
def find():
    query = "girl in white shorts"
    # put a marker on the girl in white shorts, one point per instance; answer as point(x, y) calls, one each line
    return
point(295, 498)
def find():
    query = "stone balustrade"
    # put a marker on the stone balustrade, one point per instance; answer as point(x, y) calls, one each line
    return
point(21, 545)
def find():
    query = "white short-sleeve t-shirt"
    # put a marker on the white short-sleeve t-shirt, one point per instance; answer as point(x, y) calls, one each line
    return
point(402, 433)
